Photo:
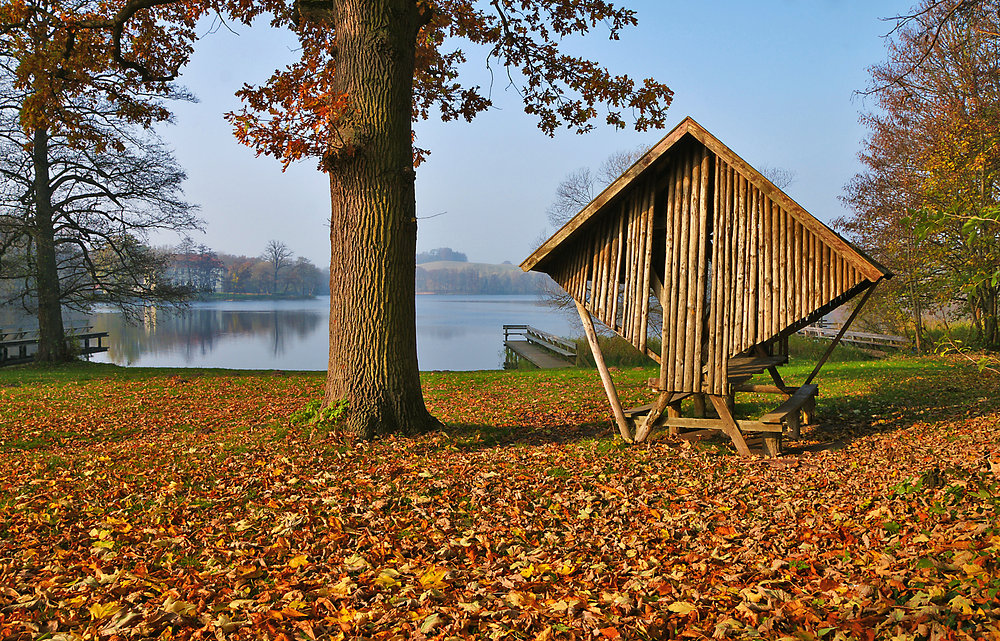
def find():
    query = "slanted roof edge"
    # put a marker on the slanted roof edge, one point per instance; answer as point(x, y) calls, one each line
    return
point(868, 266)
point(864, 263)
point(638, 168)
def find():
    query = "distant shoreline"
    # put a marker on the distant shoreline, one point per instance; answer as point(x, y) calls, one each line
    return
point(212, 297)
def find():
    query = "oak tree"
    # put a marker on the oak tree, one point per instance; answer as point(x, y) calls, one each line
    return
point(85, 180)
point(368, 68)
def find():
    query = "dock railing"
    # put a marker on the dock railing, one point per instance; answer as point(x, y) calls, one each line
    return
point(534, 335)
point(857, 338)
point(15, 343)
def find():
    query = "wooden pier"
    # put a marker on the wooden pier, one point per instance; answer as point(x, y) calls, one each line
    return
point(864, 339)
point(541, 349)
point(18, 346)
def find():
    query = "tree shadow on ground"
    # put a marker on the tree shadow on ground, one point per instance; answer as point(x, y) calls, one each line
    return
point(856, 401)
point(891, 399)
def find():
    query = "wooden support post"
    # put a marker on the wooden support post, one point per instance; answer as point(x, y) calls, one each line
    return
point(778, 381)
point(642, 432)
point(674, 411)
point(699, 405)
point(609, 386)
point(772, 444)
point(840, 334)
point(729, 425)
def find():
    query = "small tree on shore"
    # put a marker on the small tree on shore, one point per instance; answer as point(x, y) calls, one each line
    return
point(85, 180)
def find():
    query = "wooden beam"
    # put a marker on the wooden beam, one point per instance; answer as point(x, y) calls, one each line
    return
point(840, 335)
point(719, 424)
point(642, 433)
point(609, 386)
point(729, 425)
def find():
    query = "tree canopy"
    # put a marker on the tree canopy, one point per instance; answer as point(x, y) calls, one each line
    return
point(367, 69)
point(928, 201)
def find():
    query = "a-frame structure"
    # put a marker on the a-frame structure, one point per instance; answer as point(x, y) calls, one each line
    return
point(736, 265)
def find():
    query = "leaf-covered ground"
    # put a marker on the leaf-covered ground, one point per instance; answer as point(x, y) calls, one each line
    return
point(186, 504)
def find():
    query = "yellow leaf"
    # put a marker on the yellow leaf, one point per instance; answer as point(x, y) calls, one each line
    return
point(434, 578)
point(960, 602)
point(682, 607)
point(298, 561)
point(101, 610)
point(387, 578)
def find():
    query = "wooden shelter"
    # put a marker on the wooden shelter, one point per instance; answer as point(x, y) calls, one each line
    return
point(737, 266)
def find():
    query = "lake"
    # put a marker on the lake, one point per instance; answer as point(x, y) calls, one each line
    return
point(453, 333)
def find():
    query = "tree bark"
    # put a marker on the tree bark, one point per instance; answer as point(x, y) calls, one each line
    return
point(51, 336)
point(373, 227)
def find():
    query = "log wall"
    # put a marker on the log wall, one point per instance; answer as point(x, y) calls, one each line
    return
point(736, 268)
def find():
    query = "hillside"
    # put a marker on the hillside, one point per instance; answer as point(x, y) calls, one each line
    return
point(455, 277)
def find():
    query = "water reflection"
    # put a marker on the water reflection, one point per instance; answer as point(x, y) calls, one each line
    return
point(194, 336)
point(453, 332)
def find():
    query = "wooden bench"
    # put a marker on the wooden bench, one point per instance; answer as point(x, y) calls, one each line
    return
point(800, 406)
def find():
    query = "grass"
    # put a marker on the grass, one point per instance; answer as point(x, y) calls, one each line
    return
point(186, 503)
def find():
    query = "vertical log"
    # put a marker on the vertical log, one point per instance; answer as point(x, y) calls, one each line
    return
point(595, 262)
point(668, 283)
point(640, 254)
point(740, 289)
point(750, 320)
point(677, 337)
point(815, 269)
point(604, 264)
point(648, 265)
point(728, 291)
point(640, 240)
point(766, 282)
point(684, 250)
point(799, 262)
point(697, 384)
point(619, 245)
point(781, 273)
point(630, 260)
point(713, 257)
point(776, 307)
point(789, 269)
point(691, 306)
point(609, 386)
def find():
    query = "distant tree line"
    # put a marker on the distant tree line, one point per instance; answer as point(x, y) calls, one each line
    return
point(276, 271)
point(442, 253)
point(473, 281)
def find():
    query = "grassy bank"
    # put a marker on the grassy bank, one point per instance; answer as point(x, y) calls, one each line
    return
point(618, 352)
point(186, 503)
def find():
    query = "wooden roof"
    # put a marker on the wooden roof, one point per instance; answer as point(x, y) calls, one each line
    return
point(868, 266)
point(735, 264)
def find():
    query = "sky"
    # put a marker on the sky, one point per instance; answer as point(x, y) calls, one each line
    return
point(775, 80)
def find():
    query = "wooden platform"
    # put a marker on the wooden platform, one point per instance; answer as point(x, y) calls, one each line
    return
point(19, 346)
point(865, 339)
point(541, 349)
point(538, 356)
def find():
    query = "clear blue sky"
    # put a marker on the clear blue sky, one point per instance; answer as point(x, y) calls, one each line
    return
point(774, 80)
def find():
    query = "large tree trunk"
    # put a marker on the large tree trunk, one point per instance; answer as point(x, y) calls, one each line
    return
point(52, 340)
point(373, 226)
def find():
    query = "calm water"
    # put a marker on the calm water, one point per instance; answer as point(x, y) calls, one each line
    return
point(453, 332)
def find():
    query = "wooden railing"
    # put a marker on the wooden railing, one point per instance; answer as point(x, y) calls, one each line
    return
point(16, 344)
point(857, 338)
point(543, 339)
